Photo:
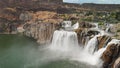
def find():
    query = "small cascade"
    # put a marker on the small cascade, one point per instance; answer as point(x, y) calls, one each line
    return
point(100, 51)
point(64, 40)
point(91, 46)
point(96, 25)
point(67, 25)
point(87, 39)
point(108, 27)
point(75, 26)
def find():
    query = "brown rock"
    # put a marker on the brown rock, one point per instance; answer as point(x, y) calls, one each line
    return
point(110, 55)
point(41, 31)
point(103, 40)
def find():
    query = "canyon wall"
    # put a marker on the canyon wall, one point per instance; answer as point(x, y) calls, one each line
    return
point(41, 25)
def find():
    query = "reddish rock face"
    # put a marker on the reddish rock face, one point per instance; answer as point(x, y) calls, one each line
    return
point(42, 32)
point(42, 25)
point(83, 32)
point(81, 35)
point(85, 25)
point(103, 40)
point(110, 55)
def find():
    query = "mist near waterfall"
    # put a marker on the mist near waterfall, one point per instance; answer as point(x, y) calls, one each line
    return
point(65, 47)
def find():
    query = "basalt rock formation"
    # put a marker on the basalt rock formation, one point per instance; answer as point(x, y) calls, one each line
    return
point(42, 32)
point(111, 56)
point(81, 35)
point(40, 18)
point(41, 25)
point(84, 34)
point(103, 41)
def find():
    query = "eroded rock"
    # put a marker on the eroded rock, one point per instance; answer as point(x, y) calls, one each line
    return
point(110, 55)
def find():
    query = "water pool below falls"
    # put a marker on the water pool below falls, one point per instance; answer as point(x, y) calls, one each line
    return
point(17, 51)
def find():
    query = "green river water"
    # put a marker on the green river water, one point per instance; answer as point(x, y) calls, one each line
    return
point(17, 51)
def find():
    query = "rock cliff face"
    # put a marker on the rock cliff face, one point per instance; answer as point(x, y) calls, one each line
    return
point(40, 19)
point(42, 32)
point(41, 25)
point(103, 41)
point(111, 56)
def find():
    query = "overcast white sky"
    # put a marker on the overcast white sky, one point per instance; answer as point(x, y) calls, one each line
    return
point(94, 1)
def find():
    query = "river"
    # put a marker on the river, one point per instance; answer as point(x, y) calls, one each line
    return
point(18, 51)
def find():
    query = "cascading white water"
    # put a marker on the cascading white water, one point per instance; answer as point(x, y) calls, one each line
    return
point(68, 41)
point(66, 24)
point(90, 47)
point(64, 40)
point(75, 26)
point(108, 27)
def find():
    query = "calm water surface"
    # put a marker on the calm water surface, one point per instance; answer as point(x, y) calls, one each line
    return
point(17, 51)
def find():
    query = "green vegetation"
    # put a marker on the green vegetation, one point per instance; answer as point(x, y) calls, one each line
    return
point(101, 23)
point(118, 16)
point(118, 30)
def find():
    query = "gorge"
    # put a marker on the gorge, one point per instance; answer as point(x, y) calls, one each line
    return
point(53, 34)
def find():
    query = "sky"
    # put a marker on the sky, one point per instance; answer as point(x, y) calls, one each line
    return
point(94, 1)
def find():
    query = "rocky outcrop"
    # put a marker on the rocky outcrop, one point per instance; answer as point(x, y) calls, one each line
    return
point(110, 56)
point(42, 32)
point(81, 35)
point(41, 25)
point(84, 34)
point(103, 41)
point(86, 25)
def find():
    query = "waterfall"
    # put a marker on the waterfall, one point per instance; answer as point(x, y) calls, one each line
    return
point(96, 25)
point(66, 24)
point(108, 27)
point(67, 41)
point(64, 40)
point(76, 26)
point(90, 47)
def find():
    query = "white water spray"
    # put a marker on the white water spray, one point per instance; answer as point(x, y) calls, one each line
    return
point(90, 47)
point(75, 26)
point(64, 40)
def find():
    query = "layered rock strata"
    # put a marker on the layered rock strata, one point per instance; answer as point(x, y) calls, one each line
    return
point(111, 56)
